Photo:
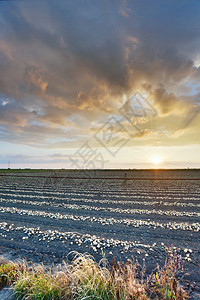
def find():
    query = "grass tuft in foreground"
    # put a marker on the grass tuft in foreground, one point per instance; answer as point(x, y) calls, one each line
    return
point(83, 279)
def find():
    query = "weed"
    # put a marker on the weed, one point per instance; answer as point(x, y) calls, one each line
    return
point(84, 278)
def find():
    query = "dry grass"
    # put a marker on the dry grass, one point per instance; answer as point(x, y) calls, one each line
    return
point(84, 279)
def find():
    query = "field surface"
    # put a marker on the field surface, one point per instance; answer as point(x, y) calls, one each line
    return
point(143, 214)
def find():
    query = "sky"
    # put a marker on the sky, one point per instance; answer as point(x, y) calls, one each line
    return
point(100, 84)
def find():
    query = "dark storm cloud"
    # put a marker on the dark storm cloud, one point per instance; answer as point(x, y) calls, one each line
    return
point(60, 59)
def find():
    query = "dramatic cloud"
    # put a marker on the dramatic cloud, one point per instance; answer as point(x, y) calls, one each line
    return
point(67, 65)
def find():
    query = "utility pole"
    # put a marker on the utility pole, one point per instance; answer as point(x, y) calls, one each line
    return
point(9, 165)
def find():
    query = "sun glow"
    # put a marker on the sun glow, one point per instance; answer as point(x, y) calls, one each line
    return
point(156, 160)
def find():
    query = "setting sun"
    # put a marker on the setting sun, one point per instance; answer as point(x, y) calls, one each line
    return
point(156, 160)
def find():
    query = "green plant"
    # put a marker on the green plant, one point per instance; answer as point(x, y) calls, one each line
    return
point(84, 278)
point(165, 284)
point(8, 273)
